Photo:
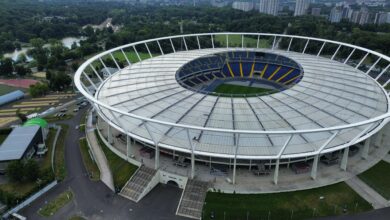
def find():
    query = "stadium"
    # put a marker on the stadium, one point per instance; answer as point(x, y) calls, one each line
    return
point(244, 116)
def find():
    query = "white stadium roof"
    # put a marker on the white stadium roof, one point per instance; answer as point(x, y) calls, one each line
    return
point(330, 94)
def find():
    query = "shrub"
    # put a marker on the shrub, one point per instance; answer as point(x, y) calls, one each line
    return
point(23, 170)
point(15, 170)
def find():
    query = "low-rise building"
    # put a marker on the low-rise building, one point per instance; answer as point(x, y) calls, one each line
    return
point(21, 143)
point(335, 15)
point(316, 11)
point(11, 97)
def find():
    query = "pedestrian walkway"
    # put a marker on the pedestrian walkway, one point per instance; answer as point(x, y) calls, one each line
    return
point(367, 193)
point(100, 158)
point(89, 125)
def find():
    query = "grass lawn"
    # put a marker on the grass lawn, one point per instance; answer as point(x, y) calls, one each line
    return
point(19, 190)
point(235, 41)
point(82, 127)
point(59, 155)
point(378, 178)
point(53, 206)
point(45, 162)
point(132, 56)
point(4, 89)
point(89, 164)
point(120, 58)
point(280, 205)
point(228, 89)
point(121, 169)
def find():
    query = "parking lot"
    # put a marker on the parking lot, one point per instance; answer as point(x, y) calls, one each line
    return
point(71, 110)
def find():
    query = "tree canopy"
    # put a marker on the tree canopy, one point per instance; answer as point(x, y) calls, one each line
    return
point(23, 170)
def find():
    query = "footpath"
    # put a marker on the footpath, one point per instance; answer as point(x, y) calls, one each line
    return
point(100, 158)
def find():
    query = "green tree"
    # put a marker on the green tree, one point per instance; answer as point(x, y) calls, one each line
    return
point(75, 66)
point(73, 46)
point(15, 171)
point(39, 53)
point(21, 116)
point(17, 45)
point(21, 58)
point(59, 81)
point(21, 70)
point(6, 67)
point(23, 170)
point(48, 75)
point(31, 170)
point(88, 31)
point(7, 46)
point(37, 43)
point(38, 89)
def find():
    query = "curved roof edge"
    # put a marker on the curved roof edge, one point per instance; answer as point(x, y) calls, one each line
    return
point(36, 121)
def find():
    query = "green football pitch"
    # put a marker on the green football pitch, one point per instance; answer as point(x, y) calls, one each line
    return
point(4, 89)
point(229, 89)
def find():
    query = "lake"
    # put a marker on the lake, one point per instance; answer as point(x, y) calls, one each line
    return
point(67, 42)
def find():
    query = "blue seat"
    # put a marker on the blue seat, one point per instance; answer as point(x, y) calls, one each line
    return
point(246, 68)
point(219, 74)
point(281, 72)
point(196, 80)
point(271, 68)
point(292, 75)
point(259, 67)
point(188, 83)
point(202, 78)
point(235, 68)
point(209, 76)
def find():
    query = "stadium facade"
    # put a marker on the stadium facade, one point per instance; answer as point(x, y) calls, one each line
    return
point(296, 101)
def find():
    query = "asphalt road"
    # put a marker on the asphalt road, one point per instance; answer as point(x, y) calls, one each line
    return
point(93, 200)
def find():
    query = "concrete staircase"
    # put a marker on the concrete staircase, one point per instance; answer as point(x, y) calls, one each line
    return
point(192, 199)
point(144, 180)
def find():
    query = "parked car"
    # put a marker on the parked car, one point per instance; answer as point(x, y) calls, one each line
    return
point(61, 115)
